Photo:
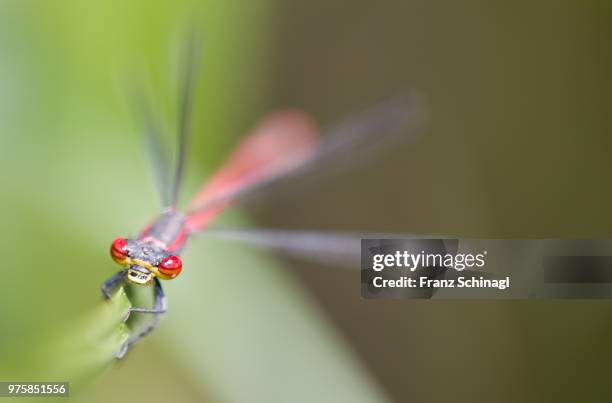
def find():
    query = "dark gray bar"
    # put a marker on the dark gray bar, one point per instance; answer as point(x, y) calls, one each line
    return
point(578, 269)
point(486, 268)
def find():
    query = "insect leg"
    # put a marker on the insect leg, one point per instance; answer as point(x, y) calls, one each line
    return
point(161, 305)
point(161, 302)
point(109, 284)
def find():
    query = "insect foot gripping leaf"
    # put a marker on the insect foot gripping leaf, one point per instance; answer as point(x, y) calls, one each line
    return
point(80, 349)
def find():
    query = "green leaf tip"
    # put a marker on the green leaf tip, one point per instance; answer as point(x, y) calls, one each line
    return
point(89, 344)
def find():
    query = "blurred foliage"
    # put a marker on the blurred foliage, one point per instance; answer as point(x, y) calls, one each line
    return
point(86, 346)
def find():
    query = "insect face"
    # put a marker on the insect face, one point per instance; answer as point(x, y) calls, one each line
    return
point(139, 275)
point(144, 260)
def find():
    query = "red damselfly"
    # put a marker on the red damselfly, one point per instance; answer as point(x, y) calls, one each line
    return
point(284, 146)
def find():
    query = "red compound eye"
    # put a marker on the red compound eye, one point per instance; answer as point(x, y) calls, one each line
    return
point(171, 266)
point(119, 250)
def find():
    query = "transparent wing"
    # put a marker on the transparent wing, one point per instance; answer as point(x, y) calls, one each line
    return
point(187, 87)
point(139, 100)
point(152, 133)
point(336, 248)
point(333, 248)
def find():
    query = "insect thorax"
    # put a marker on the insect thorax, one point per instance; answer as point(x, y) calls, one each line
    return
point(167, 230)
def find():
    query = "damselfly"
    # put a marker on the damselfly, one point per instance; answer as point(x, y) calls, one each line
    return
point(284, 146)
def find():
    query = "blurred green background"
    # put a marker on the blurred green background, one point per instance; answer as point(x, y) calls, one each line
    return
point(517, 146)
